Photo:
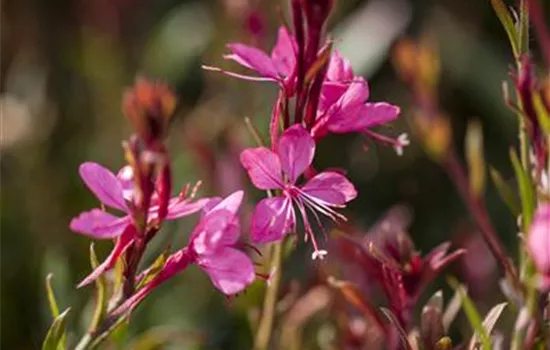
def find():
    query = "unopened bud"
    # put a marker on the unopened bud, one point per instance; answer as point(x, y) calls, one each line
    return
point(435, 134)
point(149, 106)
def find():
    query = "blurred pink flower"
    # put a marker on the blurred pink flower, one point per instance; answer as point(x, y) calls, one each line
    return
point(117, 193)
point(279, 67)
point(212, 247)
point(279, 169)
point(538, 242)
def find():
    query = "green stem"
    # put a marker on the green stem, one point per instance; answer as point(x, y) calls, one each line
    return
point(265, 327)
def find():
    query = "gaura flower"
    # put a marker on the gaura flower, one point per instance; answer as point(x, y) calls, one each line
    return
point(278, 170)
point(538, 243)
point(279, 67)
point(116, 193)
point(342, 107)
point(211, 247)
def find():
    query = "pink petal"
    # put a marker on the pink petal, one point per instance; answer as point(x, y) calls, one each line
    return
point(344, 113)
point(252, 58)
point(99, 224)
point(231, 203)
point(330, 93)
point(538, 240)
point(230, 270)
point(123, 242)
point(219, 227)
point(178, 208)
point(296, 149)
point(284, 53)
point(339, 68)
point(103, 184)
point(379, 113)
point(330, 187)
point(272, 219)
point(263, 167)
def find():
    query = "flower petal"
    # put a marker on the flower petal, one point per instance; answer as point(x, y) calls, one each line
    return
point(538, 240)
point(219, 227)
point(99, 224)
point(178, 208)
point(378, 113)
point(339, 68)
point(252, 58)
point(296, 149)
point(230, 270)
point(272, 219)
point(330, 187)
point(104, 184)
point(123, 242)
point(284, 53)
point(263, 167)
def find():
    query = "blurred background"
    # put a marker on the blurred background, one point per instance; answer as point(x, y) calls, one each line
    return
point(64, 67)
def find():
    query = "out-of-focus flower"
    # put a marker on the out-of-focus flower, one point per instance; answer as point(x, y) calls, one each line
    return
point(212, 247)
point(114, 192)
point(538, 243)
point(279, 67)
point(343, 107)
point(388, 257)
point(279, 170)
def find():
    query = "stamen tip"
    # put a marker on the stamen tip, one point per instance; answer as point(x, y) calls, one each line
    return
point(318, 254)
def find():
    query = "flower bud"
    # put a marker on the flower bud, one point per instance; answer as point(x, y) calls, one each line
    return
point(149, 106)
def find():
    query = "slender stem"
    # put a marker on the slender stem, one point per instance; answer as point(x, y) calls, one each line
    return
point(480, 215)
point(263, 334)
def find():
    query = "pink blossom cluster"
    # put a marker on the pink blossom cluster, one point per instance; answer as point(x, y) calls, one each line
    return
point(327, 97)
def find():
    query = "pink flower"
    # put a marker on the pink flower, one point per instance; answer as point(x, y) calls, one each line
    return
point(117, 193)
point(279, 67)
point(538, 242)
point(212, 247)
point(342, 107)
point(279, 169)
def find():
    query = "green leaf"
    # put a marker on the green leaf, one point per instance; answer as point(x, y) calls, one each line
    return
point(474, 156)
point(523, 28)
point(155, 268)
point(543, 115)
point(54, 309)
point(488, 323)
point(101, 294)
point(526, 190)
point(471, 313)
point(508, 23)
point(505, 191)
point(55, 338)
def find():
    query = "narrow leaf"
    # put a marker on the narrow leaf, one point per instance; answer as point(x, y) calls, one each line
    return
point(508, 23)
point(543, 115)
point(488, 323)
point(154, 269)
point(54, 309)
point(471, 313)
point(474, 156)
point(452, 309)
point(505, 192)
point(400, 331)
point(101, 294)
point(54, 339)
point(526, 190)
point(436, 300)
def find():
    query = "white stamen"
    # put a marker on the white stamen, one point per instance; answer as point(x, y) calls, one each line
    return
point(401, 142)
point(319, 254)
